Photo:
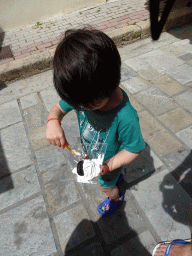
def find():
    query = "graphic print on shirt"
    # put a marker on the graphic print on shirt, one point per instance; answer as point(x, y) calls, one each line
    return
point(91, 138)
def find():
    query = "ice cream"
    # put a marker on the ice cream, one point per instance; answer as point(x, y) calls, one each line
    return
point(88, 169)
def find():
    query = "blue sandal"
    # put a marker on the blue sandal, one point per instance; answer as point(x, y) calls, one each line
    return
point(170, 245)
point(108, 207)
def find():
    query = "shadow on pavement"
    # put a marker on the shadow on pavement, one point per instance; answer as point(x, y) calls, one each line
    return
point(2, 86)
point(2, 35)
point(6, 182)
point(174, 203)
point(160, 11)
point(115, 234)
point(110, 225)
point(183, 32)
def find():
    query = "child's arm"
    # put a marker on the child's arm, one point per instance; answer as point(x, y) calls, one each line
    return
point(55, 134)
point(122, 158)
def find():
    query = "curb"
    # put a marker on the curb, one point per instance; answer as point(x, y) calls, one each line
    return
point(34, 64)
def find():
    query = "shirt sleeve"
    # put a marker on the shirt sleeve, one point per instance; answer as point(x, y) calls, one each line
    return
point(65, 106)
point(130, 137)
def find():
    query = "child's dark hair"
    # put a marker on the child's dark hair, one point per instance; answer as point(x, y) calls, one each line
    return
point(86, 67)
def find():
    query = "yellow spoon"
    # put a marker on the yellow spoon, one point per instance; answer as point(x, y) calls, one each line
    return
point(73, 151)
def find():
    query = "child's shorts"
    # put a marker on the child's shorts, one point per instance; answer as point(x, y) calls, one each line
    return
point(109, 180)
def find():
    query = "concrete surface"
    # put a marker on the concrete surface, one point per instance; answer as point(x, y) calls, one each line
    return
point(43, 212)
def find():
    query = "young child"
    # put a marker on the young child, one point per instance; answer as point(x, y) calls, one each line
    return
point(87, 68)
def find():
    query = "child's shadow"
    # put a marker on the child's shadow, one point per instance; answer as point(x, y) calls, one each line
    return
point(110, 236)
point(123, 233)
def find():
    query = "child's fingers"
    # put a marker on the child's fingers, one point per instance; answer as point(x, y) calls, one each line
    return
point(57, 142)
point(63, 142)
point(52, 142)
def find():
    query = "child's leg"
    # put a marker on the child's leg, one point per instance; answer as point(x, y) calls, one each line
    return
point(112, 193)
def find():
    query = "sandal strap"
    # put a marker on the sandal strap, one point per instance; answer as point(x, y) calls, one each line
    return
point(174, 242)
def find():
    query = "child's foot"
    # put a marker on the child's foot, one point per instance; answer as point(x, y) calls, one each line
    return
point(108, 207)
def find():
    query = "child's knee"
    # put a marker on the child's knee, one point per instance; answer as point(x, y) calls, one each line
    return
point(103, 189)
point(107, 190)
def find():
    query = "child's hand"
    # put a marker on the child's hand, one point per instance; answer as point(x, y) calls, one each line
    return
point(55, 134)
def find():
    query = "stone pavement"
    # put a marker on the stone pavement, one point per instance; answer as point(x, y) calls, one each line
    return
point(124, 21)
point(43, 214)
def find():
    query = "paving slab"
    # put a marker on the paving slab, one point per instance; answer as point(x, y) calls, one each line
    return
point(189, 84)
point(184, 44)
point(49, 157)
point(186, 57)
point(168, 85)
point(9, 113)
point(137, 63)
point(146, 45)
point(176, 119)
point(37, 137)
point(93, 197)
point(184, 99)
point(50, 97)
point(148, 73)
point(173, 49)
point(72, 220)
point(156, 135)
point(182, 74)
point(22, 185)
point(134, 248)
point(15, 147)
point(35, 116)
point(180, 162)
point(157, 59)
point(19, 88)
point(29, 100)
point(134, 85)
point(147, 162)
point(168, 202)
point(155, 100)
point(60, 193)
point(186, 136)
point(26, 230)
point(161, 60)
point(126, 72)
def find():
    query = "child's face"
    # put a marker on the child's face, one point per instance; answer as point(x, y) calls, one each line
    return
point(97, 104)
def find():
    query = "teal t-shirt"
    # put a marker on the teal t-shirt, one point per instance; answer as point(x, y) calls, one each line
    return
point(119, 128)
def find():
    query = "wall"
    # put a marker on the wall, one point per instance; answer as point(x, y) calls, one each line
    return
point(19, 13)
